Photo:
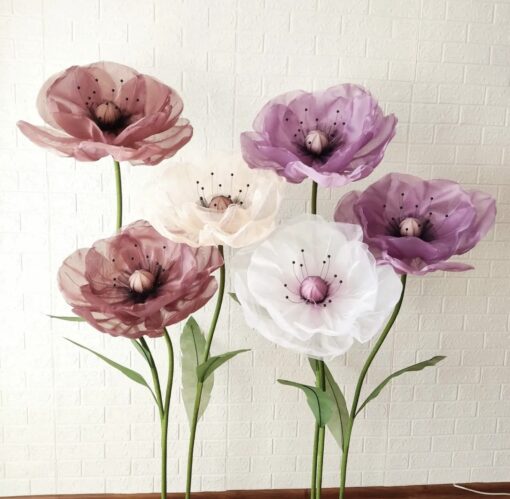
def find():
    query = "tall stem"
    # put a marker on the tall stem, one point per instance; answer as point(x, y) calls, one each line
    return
point(359, 386)
point(200, 386)
point(166, 410)
point(320, 381)
point(118, 188)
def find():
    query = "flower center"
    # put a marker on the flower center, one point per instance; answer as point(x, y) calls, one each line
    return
point(316, 141)
point(220, 203)
point(314, 289)
point(108, 114)
point(410, 227)
point(141, 281)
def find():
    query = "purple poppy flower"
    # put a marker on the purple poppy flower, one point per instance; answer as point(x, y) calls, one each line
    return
point(334, 137)
point(416, 225)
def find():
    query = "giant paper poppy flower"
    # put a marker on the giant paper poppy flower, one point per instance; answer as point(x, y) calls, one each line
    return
point(417, 225)
point(105, 109)
point(137, 282)
point(333, 137)
point(314, 287)
point(216, 201)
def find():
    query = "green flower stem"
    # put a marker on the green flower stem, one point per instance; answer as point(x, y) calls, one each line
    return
point(155, 377)
point(166, 411)
point(320, 434)
point(200, 386)
point(359, 386)
point(118, 187)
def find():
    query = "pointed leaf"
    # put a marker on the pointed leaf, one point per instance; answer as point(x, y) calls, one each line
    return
point(143, 352)
point(205, 369)
point(72, 318)
point(192, 352)
point(319, 401)
point(338, 424)
point(132, 375)
point(415, 367)
point(235, 298)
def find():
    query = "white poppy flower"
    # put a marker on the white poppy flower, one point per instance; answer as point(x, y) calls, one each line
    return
point(314, 287)
point(213, 202)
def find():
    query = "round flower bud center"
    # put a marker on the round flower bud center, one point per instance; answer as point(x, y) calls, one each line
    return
point(410, 227)
point(107, 113)
point(314, 289)
point(141, 281)
point(220, 203)
point(316, 141)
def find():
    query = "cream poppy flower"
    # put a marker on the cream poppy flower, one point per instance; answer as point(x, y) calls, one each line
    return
point(314, 287)
point(219, 201)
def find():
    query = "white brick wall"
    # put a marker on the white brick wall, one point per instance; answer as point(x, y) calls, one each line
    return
point(67, 424)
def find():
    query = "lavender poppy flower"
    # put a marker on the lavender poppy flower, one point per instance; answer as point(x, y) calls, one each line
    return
point(333, 137)
point(109, 109)
point(417, 225)
point(137, 282)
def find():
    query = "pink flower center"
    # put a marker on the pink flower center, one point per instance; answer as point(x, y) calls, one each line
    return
point(141, 281)
point(314, 289)
point(410, 227)
point(316, 141)
point(108, 114)
point(220, 203)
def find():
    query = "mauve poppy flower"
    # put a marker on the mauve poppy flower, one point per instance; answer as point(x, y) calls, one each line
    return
point(314, 287)
point(416, 225)
point(137, 282)
point(217, 201)
point(105, 109)
point(333, 137)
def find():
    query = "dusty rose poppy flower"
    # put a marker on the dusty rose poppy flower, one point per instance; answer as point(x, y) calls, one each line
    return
point(137, 282)
point(333, 137)
point(418, 225)
point(109, 109)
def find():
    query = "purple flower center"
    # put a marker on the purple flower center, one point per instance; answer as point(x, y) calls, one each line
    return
point(410, 227)
point(220, 203)
point(314, 289)
point(316, 141)
point(141, 281)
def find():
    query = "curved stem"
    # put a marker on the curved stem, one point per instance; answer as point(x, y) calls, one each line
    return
point(166, 410)
point(118, 188)
point(217, 310)
point(155, 376)
point(200, 385)
point(359, 386)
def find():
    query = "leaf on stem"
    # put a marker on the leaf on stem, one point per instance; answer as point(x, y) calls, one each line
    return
point(339, 422)
point(205, 369)
point(234, 297)
point(192, 352)
point(319, 401)
point(71, 318)
point(132, 375)
point(415, 367)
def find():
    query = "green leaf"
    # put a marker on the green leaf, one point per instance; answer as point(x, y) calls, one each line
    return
point(415, 367)
point(143, 352)
point(319, 401)
point(338, 424)
point(192, 352)
point(73, 318)
point(235, 298)
point(205, 369)
point(132, 375)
